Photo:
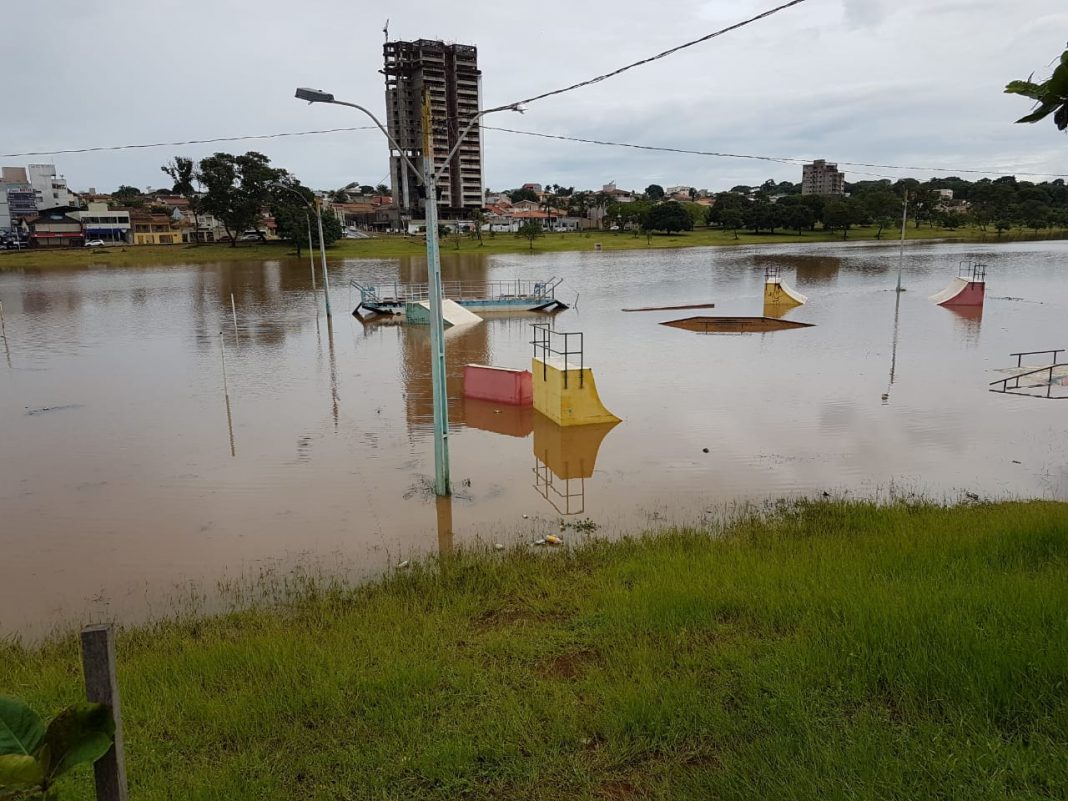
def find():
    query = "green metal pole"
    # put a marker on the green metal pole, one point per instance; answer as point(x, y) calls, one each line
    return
point(322, 252)
point(437, 324)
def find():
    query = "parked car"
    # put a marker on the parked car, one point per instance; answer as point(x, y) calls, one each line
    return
point(251, 236)
point(95, 243)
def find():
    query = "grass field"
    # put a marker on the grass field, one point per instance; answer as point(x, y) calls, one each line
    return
point(394, 246)
point(831, 651)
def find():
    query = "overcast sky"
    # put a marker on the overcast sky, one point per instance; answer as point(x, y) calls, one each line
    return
point(910, 82)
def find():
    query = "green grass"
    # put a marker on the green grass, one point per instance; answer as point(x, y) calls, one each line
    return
point(394, 246)
point(832, 651)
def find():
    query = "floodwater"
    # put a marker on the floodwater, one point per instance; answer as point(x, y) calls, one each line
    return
point(127, 479)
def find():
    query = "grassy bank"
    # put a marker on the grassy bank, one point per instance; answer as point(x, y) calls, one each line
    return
point(399, 246)
point(835, 651)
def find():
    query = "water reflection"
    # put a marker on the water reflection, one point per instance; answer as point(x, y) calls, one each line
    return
point(810, 269)
point(969, 321)
point(443, 513)
point(564, 457)
point(465, 345)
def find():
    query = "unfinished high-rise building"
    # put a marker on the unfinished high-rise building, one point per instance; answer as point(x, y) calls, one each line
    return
point(449, 72)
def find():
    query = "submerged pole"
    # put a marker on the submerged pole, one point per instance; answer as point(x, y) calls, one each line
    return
point(233, 308)
point(311, 251)
point(901, 247)
point(222, 357)
point(322, 254)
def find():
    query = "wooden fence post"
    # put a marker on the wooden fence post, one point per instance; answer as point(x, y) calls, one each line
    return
point(98, 664)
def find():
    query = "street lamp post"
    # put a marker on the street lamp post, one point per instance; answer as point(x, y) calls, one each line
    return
point(322, 245)
point(433, 257)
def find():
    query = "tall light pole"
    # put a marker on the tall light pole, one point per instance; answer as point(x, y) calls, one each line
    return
point(322, 244)
point(433, 257)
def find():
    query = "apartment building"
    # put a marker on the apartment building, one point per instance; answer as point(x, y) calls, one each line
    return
point(821, 178)
point(450, 74)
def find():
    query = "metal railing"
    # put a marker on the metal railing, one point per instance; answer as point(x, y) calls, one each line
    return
point(460, 291)
point(547, 343)
point(1049, 368)
point(1019, 356)
point(971, 270)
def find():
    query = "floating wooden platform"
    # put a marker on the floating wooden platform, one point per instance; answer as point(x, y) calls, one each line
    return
point(734, 325)
point(672, 308)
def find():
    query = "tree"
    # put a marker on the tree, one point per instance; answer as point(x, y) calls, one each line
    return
point(339, 196)
point(183, 172)
point(530, 230)
point(129, 196)
point(654, 192)
point(668, 217)
point(381, 189)
point(518, 195)
point(840, 214)
point(478, 219)
point(727, 202)
point(732, 220)
point(883, 206)
point(238, 188)
point(293, 217)
point(797, 216)
point(1050, 96)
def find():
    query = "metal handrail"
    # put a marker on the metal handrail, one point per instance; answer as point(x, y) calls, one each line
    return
point(1049, 368)
point(543, 342)
point(977, 270)
point(458, 290)
point(1019, 356)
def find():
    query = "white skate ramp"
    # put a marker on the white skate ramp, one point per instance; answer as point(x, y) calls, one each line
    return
point(453, 313)
point(951, 291)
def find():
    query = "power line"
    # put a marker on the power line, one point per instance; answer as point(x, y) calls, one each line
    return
point(658, 56)
point(179, 144)
point(778, 159)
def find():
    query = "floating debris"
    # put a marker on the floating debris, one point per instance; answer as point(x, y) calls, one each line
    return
point(671, 308)
point(404, 564)
point(552, 539)
point(46, 409)
point(498, 546)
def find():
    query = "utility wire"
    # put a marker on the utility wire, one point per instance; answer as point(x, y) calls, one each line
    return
point(651, 59)
point(778, 159)
point(179, 144)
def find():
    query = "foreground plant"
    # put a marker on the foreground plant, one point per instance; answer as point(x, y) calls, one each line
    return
point(33, 756)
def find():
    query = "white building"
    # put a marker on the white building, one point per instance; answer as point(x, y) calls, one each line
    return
point(50, 190)
point(100, 222)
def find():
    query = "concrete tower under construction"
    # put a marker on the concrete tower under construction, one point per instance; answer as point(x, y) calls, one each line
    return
point(449, 72)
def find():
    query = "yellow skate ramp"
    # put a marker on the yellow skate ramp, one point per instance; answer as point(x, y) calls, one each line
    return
point(567, 394)
point(776, 293)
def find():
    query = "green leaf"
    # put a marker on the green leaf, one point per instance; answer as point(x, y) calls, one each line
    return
point(1043, 111)
point(19, 770)
point(20, 728)
point(80, 733)
point(1021, 88)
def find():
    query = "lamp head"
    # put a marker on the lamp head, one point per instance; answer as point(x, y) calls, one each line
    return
point(313, 95)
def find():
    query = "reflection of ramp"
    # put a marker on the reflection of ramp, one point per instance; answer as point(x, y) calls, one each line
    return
point(565, 456)
point(498, 418)
point(776, 293)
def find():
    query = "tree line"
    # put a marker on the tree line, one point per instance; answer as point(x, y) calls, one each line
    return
point(237, 190)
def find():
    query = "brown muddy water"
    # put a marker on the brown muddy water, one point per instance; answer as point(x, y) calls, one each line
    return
point(122, 488)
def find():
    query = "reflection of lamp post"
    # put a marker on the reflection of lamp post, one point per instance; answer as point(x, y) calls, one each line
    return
point(429, 178)
point(322, 246)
